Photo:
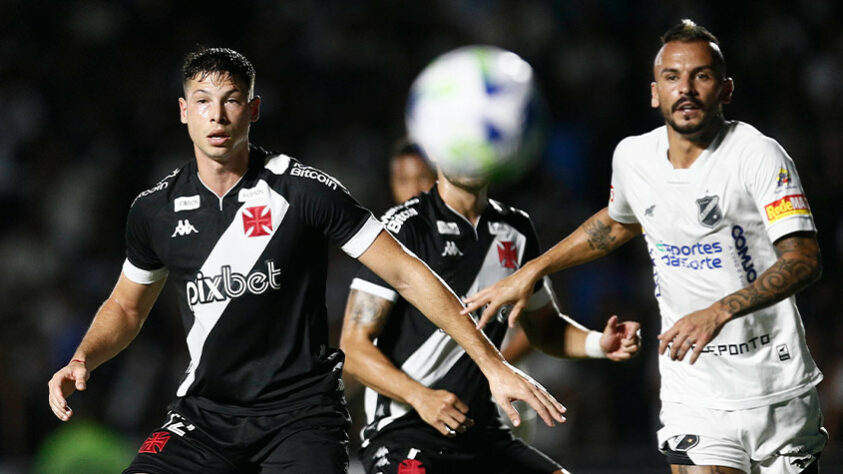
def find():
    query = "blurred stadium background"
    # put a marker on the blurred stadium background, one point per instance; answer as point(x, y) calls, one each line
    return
point(88, 118)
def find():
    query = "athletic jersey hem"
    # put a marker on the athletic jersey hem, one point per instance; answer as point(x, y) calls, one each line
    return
point(746, 403)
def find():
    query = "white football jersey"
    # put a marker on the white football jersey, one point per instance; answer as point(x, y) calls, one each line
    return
point(710, 230)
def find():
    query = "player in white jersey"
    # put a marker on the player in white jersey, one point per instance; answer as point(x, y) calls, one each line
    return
point(731, 239)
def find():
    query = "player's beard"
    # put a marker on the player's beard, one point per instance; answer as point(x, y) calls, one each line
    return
point(473, 184)
point(711, 115)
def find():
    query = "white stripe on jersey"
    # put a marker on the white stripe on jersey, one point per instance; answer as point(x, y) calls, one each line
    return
point(240, 252)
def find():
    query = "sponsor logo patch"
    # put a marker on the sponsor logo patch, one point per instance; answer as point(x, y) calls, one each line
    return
point(251, 194)
point(186, 203)
point(782, 178)
point(314, 174)
point(791, 205)
point(686, 442)
point(497, 228)
point(257, 221)
point(155, 443)
point(447, 228)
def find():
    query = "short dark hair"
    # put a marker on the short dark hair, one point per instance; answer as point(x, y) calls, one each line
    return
point(406, 147)
point(204, 61)
point(688, 31)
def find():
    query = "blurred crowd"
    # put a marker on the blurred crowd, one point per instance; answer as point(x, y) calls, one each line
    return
point(88, 107)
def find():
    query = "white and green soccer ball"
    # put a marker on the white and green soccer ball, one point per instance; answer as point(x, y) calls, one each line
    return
point(476, 111)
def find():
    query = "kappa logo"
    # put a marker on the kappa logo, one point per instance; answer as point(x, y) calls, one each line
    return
point(184, 227)
point(155, 443)
point(710, 213)
point(508, 254)
point(257, 221)
point(451, 250)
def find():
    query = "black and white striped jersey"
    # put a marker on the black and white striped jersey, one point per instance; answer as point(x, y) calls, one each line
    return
point(468, 259)
point(250, 270)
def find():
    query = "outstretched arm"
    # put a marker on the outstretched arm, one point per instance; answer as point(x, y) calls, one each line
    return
point(411, 278)
point(365, 317)
point(596, 237)
point(798, 266)
point(560, 336)
point(115, 325)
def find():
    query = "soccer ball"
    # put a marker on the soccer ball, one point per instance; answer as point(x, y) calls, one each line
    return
point(476, 112)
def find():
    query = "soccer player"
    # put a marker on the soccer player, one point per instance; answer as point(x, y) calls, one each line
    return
point(731, 239)
point(243, 234)
point(426, 405)
point(409, 172)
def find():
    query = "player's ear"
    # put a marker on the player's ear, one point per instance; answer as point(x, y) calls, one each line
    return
point(654, 95)
point(255, 108)
point(726, 90)
point(183, 110)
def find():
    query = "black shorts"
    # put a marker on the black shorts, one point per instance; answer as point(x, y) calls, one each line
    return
point(312, 439)
point(495, 451)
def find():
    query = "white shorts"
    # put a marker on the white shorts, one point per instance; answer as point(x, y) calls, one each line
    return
point(785, 437)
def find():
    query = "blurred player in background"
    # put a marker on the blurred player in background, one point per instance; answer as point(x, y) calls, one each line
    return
point(426, 402)
point(409, 172)
point(732, 239)
point(244, 234)
point(427, 410)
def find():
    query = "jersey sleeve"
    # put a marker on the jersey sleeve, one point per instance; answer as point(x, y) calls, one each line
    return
point(328, 206)
point(619, 208)
point(367, 281)
point(770, 177)
point(142, 265)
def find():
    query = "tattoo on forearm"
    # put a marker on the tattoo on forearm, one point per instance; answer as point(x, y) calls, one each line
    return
point(797, 268)
point(368, 309)
point(599, 236)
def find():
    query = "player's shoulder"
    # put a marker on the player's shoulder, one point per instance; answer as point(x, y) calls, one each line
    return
point(278, 167)
point(641, 146)
point(508, 212)
point(748, 139)
point(409, 214)
point(161, 192)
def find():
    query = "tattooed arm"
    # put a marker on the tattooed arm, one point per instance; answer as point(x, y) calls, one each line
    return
point(365, 318)
point(798, 266)
point(596, 237)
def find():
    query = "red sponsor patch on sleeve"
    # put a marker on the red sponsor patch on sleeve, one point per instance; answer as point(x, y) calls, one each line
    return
point(787, 206)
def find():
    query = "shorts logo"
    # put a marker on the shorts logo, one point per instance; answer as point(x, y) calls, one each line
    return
point(411, 466)
point(687, 442)
point(787, 206)
point(710, 213)
point(155, 443)
point(257, 221)
point(508, 254)
point(784, 353)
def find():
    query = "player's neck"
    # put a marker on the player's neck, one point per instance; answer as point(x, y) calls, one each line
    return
point(683, 150)
point(220, 175)
point(468, 203)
